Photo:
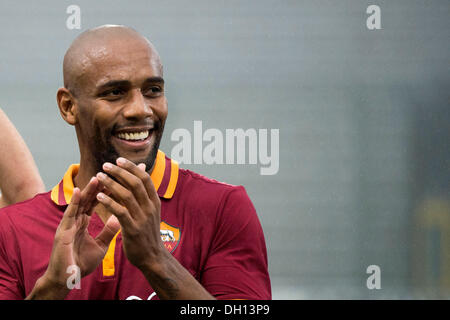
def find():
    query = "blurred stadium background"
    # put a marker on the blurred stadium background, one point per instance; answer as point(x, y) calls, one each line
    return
point(363, 115)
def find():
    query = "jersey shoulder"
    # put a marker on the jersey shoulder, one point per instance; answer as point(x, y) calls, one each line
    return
point(208, 196)
point(191, 183)
point(29, 212)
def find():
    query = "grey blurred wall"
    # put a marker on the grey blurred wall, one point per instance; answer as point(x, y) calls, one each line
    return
point(363, 118)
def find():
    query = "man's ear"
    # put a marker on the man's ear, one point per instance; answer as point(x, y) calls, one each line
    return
point(67, 105)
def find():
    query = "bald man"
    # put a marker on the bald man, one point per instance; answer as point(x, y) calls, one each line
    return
point(127, 222)
point(19, 176)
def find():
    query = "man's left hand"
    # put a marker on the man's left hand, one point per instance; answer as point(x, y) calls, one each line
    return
point(135, 203)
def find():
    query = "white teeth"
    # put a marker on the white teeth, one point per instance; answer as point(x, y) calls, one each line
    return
point(133, 135)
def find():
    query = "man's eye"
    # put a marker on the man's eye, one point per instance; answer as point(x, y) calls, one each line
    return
point(153, 90)
point(115, 92)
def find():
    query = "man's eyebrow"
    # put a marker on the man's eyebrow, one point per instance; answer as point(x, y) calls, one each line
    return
point(154, 79)
point(114, 83)
point(126, 83)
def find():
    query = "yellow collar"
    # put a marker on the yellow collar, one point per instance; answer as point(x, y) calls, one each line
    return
point(164, 176)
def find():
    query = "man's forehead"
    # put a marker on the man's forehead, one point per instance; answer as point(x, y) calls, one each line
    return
point(120, 61)
point(111, 53)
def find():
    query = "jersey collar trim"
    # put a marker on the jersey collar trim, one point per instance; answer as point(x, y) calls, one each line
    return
point(164, 177)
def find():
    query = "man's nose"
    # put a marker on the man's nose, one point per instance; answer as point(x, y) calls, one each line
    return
point(137, 108)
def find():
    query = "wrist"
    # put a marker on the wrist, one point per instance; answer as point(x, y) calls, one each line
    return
point(48, 289)
point(156, 262)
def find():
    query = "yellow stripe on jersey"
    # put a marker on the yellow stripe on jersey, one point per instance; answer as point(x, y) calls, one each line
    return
point(68, 182)
point(159, 169)
point(108, 260)
point(54, 194)
point(173, 179)
point(67, 185)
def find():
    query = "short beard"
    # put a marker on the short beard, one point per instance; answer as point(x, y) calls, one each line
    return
point(107, 153)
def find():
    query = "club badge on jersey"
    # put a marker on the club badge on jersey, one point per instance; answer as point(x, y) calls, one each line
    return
point(170, 236)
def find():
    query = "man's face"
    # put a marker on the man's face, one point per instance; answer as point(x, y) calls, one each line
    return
point(122, 106)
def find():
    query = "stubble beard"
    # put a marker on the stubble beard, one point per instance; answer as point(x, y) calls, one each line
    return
point(104, 150)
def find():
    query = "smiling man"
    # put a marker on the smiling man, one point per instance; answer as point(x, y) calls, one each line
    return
point(127, 220)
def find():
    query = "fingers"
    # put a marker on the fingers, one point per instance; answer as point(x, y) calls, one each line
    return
point(136, 171)
point(126, 191)
point(112, 226)
point(130, 181)
point(117, 210)
point(81, 202)
point(69, 217)
point(88, 196)
point(121, 194)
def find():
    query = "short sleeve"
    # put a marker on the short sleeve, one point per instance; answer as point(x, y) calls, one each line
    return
point(10, 287)
point(236, 267)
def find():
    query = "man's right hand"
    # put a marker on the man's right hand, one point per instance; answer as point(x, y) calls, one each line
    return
point(74, 246)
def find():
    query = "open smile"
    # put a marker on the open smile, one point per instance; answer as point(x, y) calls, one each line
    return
point(134, 138)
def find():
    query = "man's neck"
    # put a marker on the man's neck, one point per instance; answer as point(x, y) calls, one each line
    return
point(86, 171)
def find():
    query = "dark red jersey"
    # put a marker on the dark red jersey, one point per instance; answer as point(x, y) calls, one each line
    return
point(210, 227)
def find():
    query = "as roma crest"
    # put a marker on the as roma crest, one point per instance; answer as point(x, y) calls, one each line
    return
point(170, 236)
